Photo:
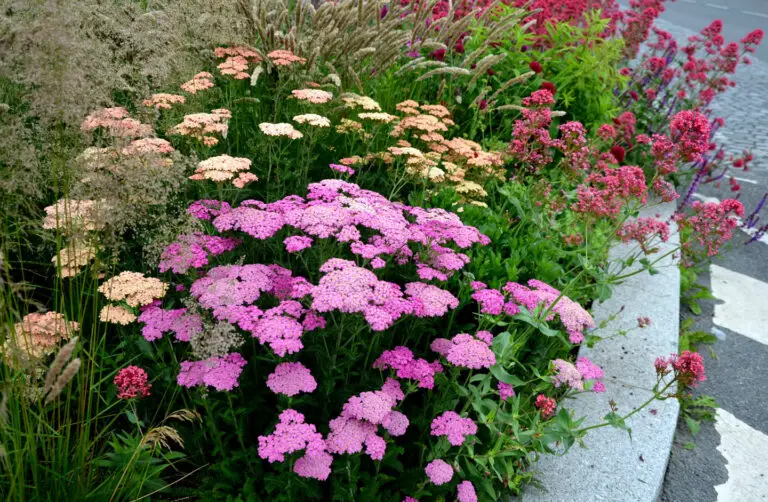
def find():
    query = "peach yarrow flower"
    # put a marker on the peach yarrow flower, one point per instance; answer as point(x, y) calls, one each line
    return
point(116, 314)
point(199, 82)
point(313, 120)
point(280, 129)
point(164, 101)
point(133, 288)
point(220, 168)
point(377, 117)
point(315, 96)
point(282, 57)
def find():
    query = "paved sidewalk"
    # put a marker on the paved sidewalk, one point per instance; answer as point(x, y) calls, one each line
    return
point(728, 462)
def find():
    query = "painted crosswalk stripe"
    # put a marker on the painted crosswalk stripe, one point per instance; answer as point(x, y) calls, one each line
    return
point(740, 308)
point(744, 450)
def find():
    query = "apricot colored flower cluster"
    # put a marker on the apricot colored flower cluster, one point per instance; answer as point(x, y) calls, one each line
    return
point(199, 82)
point(204, 126)
point(38, 335)
point(117, 122)
point(164, 101)
point(133, 288)
point(223, 168)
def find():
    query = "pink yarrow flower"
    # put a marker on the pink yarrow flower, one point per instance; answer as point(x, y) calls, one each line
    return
point(466, 492)
point(454, 427)
point(221, 373)
point(439, 471)
point(291, 379)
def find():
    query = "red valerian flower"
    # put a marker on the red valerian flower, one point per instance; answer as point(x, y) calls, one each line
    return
point(535, 66)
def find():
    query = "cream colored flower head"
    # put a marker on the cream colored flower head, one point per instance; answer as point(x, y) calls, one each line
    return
point(133, 288)
point(409, 107)
point(199, 82)
point(280, 129)
point(438, 111)
point(74, 257)
point(315, 96)
point(364, 102)
point(377, 117)
point(220, 168)
point(313, 120)
point(116, 314)
point(71, 215)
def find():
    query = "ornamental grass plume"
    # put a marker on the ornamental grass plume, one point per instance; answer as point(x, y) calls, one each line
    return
point(133, 288)
point(63, 379)
point(61, 359)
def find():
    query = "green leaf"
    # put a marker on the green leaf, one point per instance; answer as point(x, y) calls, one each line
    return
point(502, 376)
point(693, 425)
point(616, 420)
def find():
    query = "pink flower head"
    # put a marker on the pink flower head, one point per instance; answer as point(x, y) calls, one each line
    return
point(439, 471)
point(466, 492)
point(401, 360)
point(429, 300)
point(158, 321)
point(342, 169)
point(468, 351)
point(221, 373)
point(291, 379)
point(491, 301)
point(690, 130)
point(372, 407)
point(316, 465)
point(546, 405)
point(454, 427)
point(349, 435)
point(193, 250)
point(297, 243)
point(689, 368)
point(291, 434)
point(132, 382)
point(505, 390)
point(566, 373)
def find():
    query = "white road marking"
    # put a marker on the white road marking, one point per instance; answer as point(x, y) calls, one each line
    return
point(688, 1)
point(717, 6)
point(745, 180)
point(743, 308)
point(749, 13)
point(744, 450)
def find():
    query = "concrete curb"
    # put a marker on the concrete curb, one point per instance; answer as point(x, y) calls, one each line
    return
point(613, 467)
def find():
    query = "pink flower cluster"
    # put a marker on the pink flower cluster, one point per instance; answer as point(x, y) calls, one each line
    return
point(712, 223)
point(231, 290)
point(574, 376)
point(358, 423)
point(193, 250)
point(117, 122)
point(406, 366)
point(688, 367)
point(467, 351)
point(351, 289)
point(158, 321)
point(221, 373)
point(291, 379)
point(536, 294)
point(439, 471)
point(204, 126)
point(690, 130)
point(605, 193)
point(132, 382)
point(643, 231)
point(343, 211)
point(451, 425)
point(291, 434)
point(546, 405)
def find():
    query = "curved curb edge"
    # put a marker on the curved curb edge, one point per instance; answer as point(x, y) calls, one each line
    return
point(614, 467)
